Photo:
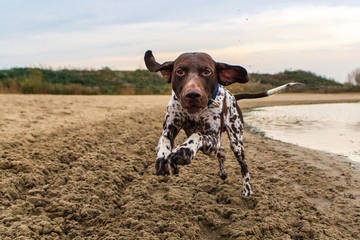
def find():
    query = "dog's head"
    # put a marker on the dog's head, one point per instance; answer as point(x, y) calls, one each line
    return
point(195, 76)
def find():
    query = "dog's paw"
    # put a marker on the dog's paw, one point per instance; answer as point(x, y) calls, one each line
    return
point(181, 156)
point(174, 168)
point(246, 192)
point(162, 167)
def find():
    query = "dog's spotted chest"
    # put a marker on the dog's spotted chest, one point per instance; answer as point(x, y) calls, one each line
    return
point(205, 122)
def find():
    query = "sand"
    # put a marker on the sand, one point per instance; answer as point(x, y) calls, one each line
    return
point(82, 167)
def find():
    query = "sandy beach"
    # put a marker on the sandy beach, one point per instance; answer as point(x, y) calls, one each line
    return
point(82, 167)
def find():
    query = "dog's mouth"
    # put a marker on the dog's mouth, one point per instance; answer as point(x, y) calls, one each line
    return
point(194, 109)
point(193, 106)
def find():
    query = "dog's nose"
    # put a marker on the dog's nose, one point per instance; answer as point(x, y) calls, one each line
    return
point(193, 94)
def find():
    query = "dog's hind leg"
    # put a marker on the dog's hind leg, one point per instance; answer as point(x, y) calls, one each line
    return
point(221, 158)
point(238, 150)
point(234, 128)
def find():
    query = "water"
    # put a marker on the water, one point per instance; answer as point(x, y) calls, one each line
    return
point(332, 128)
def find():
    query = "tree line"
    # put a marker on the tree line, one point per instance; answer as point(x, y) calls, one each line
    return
point(107, 81)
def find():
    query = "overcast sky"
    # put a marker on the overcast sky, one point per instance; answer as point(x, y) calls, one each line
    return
point(263, 36)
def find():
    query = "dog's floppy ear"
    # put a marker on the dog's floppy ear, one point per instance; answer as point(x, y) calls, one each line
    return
point(153, 66)
point(228, 74)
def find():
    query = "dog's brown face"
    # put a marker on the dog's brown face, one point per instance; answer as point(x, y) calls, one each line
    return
point(194, 80)
point(194, 77)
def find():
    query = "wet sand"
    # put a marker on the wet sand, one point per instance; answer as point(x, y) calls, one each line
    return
point(82, 167)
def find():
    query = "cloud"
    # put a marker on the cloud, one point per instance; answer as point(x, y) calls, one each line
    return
point(323, 39)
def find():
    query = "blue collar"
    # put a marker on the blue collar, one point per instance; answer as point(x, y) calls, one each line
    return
point(214, 94)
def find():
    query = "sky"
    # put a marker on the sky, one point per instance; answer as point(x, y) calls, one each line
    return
point(263, 36)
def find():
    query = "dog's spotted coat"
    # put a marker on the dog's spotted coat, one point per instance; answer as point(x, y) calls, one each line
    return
point(204, 133)
point(203, 109)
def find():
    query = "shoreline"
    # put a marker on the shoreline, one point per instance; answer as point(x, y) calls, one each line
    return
point(77, 166)
point(257, 122)
point(342, 158)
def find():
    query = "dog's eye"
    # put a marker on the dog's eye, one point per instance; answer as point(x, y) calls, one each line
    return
point(180, 72)
point(206, 72)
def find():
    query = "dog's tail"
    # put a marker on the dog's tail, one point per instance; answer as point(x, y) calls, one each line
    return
point(266, 93)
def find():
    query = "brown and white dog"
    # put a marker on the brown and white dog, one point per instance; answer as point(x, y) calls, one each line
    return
point(203, 109)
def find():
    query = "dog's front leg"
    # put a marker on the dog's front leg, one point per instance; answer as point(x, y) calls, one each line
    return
point(183, 154)
point(162, 165)
point(166, 143)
